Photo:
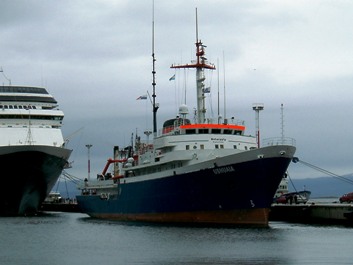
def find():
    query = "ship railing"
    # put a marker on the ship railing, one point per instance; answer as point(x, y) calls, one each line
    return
point(99, 183)
point(279, 141)
point(170, 130)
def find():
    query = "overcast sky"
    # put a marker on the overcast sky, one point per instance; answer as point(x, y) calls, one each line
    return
point(94, 57)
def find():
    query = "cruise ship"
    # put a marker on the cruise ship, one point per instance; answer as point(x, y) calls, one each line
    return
point(32, 148)
point(204, 172)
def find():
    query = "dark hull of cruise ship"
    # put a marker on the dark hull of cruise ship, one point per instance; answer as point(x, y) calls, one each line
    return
point(28, 173)
point(236, 194)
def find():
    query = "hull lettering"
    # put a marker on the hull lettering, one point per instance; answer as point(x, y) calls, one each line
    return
point(223, 170)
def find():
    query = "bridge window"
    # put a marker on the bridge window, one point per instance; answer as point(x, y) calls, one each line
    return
point(226, 131)
point(203, 131)
point(216, 131)
point(191, 131)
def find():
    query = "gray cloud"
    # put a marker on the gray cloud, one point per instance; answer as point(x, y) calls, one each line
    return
point(95, 58)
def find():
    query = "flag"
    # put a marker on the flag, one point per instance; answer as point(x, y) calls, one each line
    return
point(142, 97)
point(172, 78)
point(207, 90)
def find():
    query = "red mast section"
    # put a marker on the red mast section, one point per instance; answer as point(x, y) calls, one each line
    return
point(201, 61)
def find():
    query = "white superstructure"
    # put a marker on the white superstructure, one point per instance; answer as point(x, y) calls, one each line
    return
point(29, 116)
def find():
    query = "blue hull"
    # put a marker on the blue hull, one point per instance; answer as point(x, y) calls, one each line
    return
point(240, 193)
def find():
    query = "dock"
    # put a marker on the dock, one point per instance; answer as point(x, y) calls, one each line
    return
point(60, 207)
point(313, 213)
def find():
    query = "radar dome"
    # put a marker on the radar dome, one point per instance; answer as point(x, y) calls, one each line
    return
point(183, 109)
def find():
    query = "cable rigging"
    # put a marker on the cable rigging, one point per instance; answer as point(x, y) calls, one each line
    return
point(347, 180)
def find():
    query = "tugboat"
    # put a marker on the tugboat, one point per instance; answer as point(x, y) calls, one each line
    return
point(201, 173)
point(283, 195)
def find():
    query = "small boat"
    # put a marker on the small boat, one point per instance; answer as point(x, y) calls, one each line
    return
point(282, 187)
point(53, 197)
point(54, 202)
point(296, 197)
point(283, 195)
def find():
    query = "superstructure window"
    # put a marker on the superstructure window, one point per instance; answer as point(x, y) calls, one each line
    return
point(187, 147)
point(191, 131)
point(216, 146)
point(19, 89)
point(33, 117)
point(17, 107)
point(202, 146)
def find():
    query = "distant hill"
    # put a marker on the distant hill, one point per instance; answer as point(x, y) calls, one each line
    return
point(323, 186)
point(319, 187)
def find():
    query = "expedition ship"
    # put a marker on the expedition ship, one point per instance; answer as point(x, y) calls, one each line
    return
point(206, 173)
point(32, 152)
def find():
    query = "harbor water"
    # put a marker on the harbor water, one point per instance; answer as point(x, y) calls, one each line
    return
point(74, 238)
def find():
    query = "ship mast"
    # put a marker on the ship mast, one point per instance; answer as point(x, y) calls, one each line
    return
point(200, 65)
point(282, 125)
point(155, 105)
